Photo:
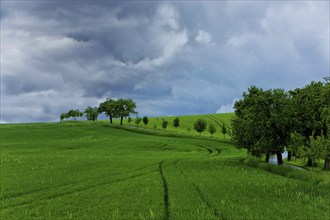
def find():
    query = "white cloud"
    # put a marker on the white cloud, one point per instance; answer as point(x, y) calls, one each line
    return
point(204, 37)
point(227, 108)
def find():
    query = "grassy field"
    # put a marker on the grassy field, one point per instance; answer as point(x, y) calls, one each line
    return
point(187, 124)
point(84, 170)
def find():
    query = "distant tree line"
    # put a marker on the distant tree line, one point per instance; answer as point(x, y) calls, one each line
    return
point(267, 122)
point(120, 108)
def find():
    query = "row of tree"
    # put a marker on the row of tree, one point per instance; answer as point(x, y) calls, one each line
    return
point(120, 108)
point(267, 122)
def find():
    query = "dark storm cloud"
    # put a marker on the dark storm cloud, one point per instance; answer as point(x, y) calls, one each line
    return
point(171, 57)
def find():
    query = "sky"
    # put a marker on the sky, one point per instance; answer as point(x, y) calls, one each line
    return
point(170, 57)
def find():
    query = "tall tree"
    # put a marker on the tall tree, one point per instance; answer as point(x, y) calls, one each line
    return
point(108, 107)
point(124, 108)
point(261, 124)
point(92, 113)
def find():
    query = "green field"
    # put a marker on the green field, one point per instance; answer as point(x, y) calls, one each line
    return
point(187, 122)
point(86, 170)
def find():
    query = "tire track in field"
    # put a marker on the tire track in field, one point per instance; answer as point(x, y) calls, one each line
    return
point(166, 195)
point(215, 212)
point(202, 146)
point(159, 146)
point(84, 188)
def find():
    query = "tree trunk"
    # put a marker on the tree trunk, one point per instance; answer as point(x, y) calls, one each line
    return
point(279, 158)
point(289, 155)
point(121, 120)
point(267, 157)
point(326, 164)
point(110, 119)
point(310, 162)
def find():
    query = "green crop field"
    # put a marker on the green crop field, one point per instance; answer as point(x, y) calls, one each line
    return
point(187, 124)
point(86, 170)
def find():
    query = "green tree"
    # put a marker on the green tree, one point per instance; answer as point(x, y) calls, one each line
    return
point(176, 123)
point(137, 121)
point(212, 129)
point(164, 123)
point(64, 116)
point(224, 130)
point(108, 107)
point(124, 108)
point(261, 123)
point(92, 113)
point(200, 125)
point(145, 120)
point(129, 120)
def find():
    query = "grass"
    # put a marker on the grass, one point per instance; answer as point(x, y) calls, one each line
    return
point(187, 124)
point(84, 170)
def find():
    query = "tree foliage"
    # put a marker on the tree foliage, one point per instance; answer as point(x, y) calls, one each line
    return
point(200, 125)
point(92, 113)
point(212, 129)
point(145, 120)
point(176, 122)
point(164, 124)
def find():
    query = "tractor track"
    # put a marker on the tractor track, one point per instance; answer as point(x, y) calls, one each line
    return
point(166, 195)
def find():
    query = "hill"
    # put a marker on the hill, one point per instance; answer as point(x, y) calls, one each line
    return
point(86, 170)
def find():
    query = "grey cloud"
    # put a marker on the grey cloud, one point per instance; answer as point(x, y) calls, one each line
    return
point(171, 57)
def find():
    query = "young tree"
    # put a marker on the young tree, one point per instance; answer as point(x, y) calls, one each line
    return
point(164, 123)
point(155, 127)
point(200, 125)
point(124, 108)
point(92, 113)
point(129, 120)
point(145, 120)
point(108, 107)
point(212, 129)
point(176, 123)
point(138, 121)
point(224, 130)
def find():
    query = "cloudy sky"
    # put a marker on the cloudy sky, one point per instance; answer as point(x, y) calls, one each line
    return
point(172, 58)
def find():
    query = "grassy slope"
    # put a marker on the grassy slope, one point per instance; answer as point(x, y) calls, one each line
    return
point(87, 170)
point(188, 122)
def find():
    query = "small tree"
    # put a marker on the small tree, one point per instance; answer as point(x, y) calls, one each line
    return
point(188, 129)
point(212, 129)
point(176, 123)
point(224, 130)
point(64, 116)
point(145, 120)
point(200, 125)
point(155, 127)
point(138, 121)
point(164, 124)
point(129, 120)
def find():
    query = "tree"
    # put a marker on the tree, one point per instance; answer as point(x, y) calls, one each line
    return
point(145, 120)
point(176, 123)
point(164, 123)
point(224, 130)
point(212, 129)
point(137, 121)
point(92, 113)
point(75, 113)
point(261, 123)
point(108, 107)
point(129, 120)
point(200, 125)
point(64, 116)
point(124, 108)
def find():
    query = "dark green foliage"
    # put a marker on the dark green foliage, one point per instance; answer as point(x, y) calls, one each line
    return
point(145, 120)
point(200, 125)
point(92, 113)
point(224, 130)
point(64, 116)
point(108, 107)
point(124, 108)
point(176, 122)
point(129, 120)
point(74, 113)
point(164, 124)
point(212, 129)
